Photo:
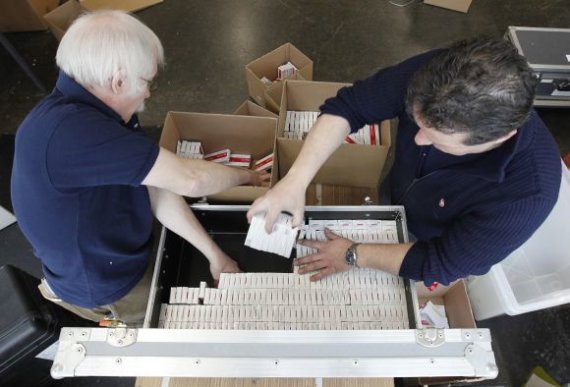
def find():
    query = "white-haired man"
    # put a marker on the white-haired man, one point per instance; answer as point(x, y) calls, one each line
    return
point(86, 181)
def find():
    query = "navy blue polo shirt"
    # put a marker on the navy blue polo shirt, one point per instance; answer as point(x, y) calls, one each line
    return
point(77, 194)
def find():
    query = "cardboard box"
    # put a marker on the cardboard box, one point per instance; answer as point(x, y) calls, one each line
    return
point(454, 5)
point(248, 108)
point(459, 316)
point(266, 66)
point(24, 15)
point(125, 5)
point(61, 18)
point(350, 165)
point(241, 134)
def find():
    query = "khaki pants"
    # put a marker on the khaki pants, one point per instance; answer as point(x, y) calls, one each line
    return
point(130, 309)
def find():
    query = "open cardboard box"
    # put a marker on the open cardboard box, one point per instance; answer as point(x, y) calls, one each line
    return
point(266, 66)
point(125, 5)
point(458, 312)
point(351, 167)
point(61, 18)
point(241, 134)
point(248, 108)
point(24, 15)
point(454, 5)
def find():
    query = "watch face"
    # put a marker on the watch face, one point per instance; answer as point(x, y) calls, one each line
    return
point(350, 257)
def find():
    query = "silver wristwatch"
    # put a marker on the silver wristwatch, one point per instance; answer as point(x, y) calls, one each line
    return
point(351, 257)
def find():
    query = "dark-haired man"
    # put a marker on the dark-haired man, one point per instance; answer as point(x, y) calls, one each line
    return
point(475, 167)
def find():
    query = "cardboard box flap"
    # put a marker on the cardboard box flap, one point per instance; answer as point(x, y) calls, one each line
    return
point(249, 108)
point(274, 93)
point(125, 5)
point(337, 170)
point(454, 5)
point(309, 96)
point(266, 66)
point(61, 18)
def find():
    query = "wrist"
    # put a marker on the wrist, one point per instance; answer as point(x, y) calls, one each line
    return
point(296, 182)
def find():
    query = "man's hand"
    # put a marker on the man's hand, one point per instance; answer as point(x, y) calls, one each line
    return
point(284, 197)
point(223, 264)
point(329, 258)
point(260, 179)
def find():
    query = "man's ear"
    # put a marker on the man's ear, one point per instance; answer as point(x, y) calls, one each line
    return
point(506, 137)
point(119, 82)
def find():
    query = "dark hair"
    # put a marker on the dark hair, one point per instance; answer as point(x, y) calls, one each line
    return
point(482, 87)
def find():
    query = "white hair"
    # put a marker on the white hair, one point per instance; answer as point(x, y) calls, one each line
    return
point(99, 44)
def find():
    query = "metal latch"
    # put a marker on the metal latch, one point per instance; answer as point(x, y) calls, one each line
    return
point(121, 336)
point(430, 337)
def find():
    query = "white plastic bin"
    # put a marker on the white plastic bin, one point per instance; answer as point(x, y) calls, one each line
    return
point(536, 275)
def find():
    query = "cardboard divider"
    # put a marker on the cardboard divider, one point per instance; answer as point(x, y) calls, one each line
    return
point(61, 18)
point(248, 108)
point(241, 134)
point(266, 66)
point(274, 92)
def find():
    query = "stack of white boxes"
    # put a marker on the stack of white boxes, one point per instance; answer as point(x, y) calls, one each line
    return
point(299, 123)
point(356, 299)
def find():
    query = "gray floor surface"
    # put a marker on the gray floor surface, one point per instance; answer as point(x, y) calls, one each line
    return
point(207, 45)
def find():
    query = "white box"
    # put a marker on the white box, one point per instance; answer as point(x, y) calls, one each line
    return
point(536, 275)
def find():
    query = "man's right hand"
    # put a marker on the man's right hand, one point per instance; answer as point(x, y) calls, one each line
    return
point(284, 197)
point(289, 194)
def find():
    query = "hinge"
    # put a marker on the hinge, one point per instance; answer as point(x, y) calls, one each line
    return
point(121, 336)
point(430, 337)
point(481, 360)
point(69, 355)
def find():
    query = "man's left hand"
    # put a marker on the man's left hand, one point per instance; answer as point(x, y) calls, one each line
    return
point(329, 258)
point(260, 179)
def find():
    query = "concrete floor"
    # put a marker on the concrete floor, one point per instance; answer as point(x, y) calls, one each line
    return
point(208, 44)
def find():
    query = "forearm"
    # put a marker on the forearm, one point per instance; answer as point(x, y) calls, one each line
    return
point(195, 178)
point(385, 257)
point(324, 138)
point(174, 213)
point(330, 256)
point(206, 178)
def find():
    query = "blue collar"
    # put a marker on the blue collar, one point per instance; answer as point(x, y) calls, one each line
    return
point(492, 165)
point(77, 93)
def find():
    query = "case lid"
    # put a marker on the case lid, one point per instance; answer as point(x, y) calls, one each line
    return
point(544, 48)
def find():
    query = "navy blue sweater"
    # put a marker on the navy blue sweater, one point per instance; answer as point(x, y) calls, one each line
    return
point(468, 212)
